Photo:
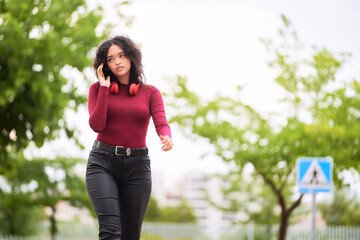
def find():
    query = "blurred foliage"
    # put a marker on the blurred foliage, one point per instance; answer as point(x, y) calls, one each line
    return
point(150, 237)
point(247, 199)
point(153, 211)
point(241, 195)
point(37, 184)
point(323, 119)
point(342, 210)
point(182, 213)
point(41, 41)
point(38, 39)
point(18, 216)
point(157, 237)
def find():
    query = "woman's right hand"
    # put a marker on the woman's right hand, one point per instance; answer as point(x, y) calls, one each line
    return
point(102, 81)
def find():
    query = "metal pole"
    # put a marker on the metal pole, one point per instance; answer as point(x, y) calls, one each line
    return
point(313, 232)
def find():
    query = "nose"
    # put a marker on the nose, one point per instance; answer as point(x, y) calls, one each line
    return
point(118, 61)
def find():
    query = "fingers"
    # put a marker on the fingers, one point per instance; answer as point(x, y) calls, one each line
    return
point(166, 143)
point(101, 77)
point(99, 72)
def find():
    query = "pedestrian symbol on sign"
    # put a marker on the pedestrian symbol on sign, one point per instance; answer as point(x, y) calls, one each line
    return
point(314, 174)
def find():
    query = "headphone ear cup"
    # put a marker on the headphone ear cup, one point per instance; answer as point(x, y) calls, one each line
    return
point(134, 88)
point(114, 88)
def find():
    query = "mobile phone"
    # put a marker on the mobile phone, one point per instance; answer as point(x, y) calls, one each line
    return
point(102, 73)
point(105, 71)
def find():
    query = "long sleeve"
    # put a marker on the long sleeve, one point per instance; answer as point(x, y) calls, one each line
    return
point(157, 111)
point(123, 120)
point(97, 106)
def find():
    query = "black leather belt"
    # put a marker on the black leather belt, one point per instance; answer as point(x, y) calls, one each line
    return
point(120, 150)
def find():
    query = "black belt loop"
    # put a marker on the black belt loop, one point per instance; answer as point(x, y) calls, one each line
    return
point(120, 150)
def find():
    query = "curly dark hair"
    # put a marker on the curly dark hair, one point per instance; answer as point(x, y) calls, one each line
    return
point(130, 49)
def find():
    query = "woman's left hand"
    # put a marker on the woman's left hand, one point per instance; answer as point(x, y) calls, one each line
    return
point(166, 143)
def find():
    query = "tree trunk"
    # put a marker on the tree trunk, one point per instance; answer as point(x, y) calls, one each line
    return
point(285, 212)
point(53, 227)
point(283, 225)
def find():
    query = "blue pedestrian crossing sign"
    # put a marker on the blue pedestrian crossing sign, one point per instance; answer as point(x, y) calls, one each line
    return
point(314, 174)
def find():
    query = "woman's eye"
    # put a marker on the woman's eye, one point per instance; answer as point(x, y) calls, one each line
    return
point(110, 60)
point(122, 55)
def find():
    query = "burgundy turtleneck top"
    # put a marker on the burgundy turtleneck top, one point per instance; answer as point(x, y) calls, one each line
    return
point(123, 120)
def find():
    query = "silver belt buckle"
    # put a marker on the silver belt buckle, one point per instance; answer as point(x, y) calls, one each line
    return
point(127, 151)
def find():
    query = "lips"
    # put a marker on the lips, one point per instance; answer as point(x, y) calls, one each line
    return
point(119, 68)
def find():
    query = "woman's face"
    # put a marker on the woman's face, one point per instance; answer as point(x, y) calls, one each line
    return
point(119, 63)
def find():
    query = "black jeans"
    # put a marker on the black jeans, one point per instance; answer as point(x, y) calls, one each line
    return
point(119, 188)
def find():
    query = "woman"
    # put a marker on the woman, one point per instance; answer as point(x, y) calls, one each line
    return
point(118, 176)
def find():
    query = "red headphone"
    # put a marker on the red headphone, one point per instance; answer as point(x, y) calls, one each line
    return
point(133, 89)
point(114, 87)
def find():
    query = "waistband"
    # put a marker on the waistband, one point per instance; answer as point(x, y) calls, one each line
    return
point(120, 150)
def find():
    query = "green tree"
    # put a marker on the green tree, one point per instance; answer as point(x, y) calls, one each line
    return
point(18, 216)
point(241, 135)
point(344, 209)
point(183, 213)
point(241, 195)
point(37, 184)
point(180, 214)
point(153, 211)
point(38, 40)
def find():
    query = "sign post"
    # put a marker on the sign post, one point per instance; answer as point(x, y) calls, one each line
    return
point(314, 174)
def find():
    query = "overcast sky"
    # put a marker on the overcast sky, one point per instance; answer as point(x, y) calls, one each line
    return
point(215, 43)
